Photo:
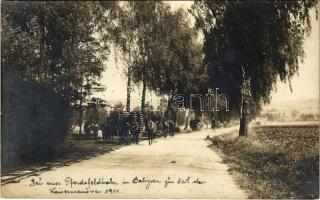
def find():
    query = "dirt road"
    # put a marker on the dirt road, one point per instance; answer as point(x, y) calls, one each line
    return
point(179, 167)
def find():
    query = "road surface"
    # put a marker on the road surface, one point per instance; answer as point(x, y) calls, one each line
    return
point(178, 167)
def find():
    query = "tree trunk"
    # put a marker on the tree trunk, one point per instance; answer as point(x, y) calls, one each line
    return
point(143, 100)
point(244, 112)
point(243, 131)
point(80, 116)
point(175, 119)
point(143, 97)
point(128, 90)
point(42, 46)
point(187, 122)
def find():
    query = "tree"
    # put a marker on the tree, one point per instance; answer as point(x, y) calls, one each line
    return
point(126, 33)
point(159, 50)
point(248, 45)
point(143, 18)
point(181, 69)
point(65, 40)
point(60, 45)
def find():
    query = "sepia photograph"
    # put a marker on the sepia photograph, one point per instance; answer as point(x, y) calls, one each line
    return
point(203, 99)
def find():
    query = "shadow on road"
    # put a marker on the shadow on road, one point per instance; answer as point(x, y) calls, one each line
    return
point(75, 150)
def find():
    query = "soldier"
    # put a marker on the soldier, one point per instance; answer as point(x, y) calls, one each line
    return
point(171, 128)
point(213, 124)
point(135, 129)
point(159, 131)
point(165, 128)
point(126, 129)
point(148, 129)
point(86, 129)
point(152, 127)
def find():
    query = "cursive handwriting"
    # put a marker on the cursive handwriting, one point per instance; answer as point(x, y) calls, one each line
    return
point(89, 185)
point(90, 181)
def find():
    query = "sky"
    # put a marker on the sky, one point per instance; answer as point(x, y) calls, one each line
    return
point(305, 85)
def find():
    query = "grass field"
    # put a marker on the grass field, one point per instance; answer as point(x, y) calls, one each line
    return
point(274, 161)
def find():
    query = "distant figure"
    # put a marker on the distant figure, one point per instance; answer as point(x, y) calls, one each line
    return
point(126, 129)
point(105, 130)
point(171, 128)
point(95, 130)
point(91, 130)
point(152, 130)
point(135, 129)
point(148, 125)
point(86, 129)
point(165, 128)
point(159, 131)
point(213, 124)
point(199, 125)
point(99, 135)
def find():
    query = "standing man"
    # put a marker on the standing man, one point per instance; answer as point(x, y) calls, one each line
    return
point(135, 129)
point(171, 128)
point(148, 129)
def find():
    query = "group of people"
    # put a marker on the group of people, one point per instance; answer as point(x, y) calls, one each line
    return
point(128, 127)
point(158, 127)
point(135, 126)
point(91, 129)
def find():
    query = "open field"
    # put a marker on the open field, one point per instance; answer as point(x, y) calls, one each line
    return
point(274, 161)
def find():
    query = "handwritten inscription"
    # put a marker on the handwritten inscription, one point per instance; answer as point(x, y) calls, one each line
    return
point(105, 185)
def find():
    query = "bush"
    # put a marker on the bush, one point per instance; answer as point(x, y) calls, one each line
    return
point(35, 122)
